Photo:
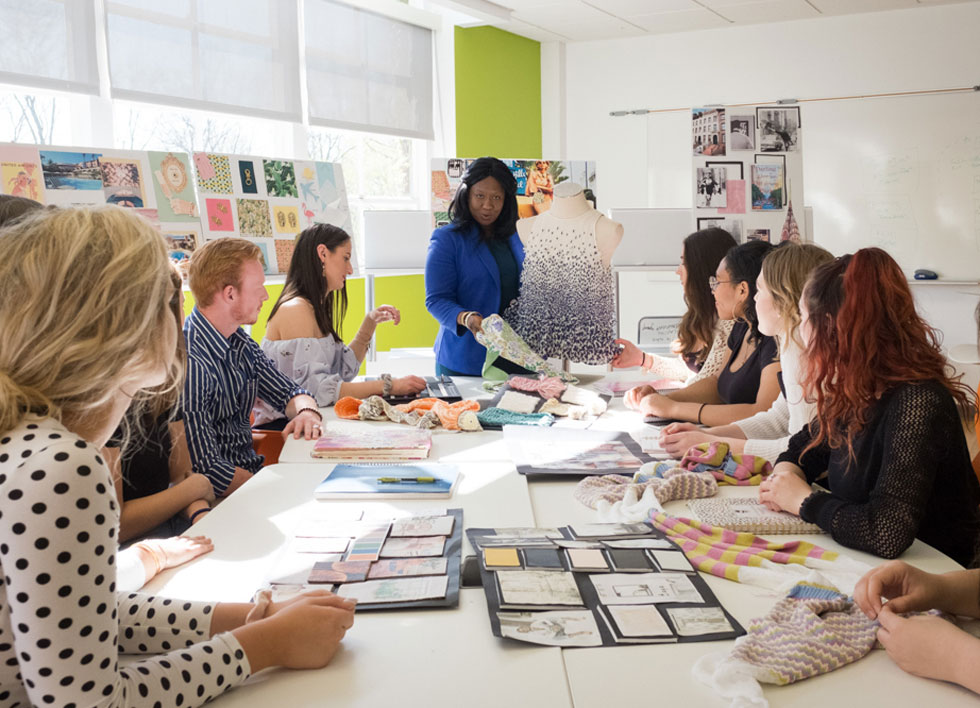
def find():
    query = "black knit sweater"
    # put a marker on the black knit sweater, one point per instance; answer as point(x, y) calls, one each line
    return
point(911, 478)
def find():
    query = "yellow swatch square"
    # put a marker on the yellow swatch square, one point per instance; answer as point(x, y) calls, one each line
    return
point(501, 558)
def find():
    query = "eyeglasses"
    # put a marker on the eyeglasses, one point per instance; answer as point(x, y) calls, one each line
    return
point(713, 282)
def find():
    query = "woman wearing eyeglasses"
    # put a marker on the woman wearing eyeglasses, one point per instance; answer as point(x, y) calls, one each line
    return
point(748, 384)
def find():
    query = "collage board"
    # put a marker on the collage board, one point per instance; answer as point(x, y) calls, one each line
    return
point(748, 171)
point(536, 180)
point(590, 585)
point(188, 198)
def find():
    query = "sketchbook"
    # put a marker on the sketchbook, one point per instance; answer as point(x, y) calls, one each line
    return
point(746, 514)
point(431, 480)
point(374, 443)
point(554, 451)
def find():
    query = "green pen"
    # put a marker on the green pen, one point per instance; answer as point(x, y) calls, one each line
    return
point(400, 480)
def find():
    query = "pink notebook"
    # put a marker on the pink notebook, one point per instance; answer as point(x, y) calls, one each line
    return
point(374, 444)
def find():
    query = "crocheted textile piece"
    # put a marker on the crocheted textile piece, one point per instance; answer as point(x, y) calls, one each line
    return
point(468, 422)
point(812, 631)
point(501, 340)
point(377, 408)
point(563, 410)
point(550, 387)
point(518, 402)
point(499, 416)
point(727, 467)
point(567, 306)
point(347, 408)
point(723, 553)
point(611, 488)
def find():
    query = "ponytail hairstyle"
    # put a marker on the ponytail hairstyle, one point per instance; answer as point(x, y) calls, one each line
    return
point(305, 278)
point(865, 338)
point(785, 271)
point(744, 263)
point(703, 251)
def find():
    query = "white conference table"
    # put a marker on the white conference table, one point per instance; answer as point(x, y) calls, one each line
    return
point(449, 657)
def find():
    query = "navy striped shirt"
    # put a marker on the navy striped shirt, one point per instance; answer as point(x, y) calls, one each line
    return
point(224, 377)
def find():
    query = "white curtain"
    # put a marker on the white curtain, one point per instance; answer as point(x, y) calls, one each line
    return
point(233, 55)
point(367, 72)
point(49, 44)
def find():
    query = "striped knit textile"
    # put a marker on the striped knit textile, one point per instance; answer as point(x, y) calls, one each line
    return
point(676, 484)
point(500, 416)
point(727, 467)
point(724, 553)
point(812, 631)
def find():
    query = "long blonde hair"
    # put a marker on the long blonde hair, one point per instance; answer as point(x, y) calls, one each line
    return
point(785, 271)
point(83, 302)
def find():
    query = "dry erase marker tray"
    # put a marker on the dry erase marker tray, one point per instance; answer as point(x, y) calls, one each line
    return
point(436, 387)
point(590, 585)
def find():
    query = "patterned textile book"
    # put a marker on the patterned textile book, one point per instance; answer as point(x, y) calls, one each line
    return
point(748, 515)
point(374, 444)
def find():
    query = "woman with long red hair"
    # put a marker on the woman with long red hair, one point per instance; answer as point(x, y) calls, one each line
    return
point(887, 429)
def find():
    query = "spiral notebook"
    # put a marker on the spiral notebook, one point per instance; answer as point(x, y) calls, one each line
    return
point(426, 481)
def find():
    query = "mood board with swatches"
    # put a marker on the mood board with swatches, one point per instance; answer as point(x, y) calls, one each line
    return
point(589, 585)
point(567, 404)
point(383, 563)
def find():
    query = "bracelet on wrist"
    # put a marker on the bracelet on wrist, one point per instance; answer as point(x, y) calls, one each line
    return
point(700, 411)
point(386, 386)
point(197, 513)
point(317, 413)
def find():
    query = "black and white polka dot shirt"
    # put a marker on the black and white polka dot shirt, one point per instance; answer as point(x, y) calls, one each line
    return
point(62, 623)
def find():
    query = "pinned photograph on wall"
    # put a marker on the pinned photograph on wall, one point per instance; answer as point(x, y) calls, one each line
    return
point(213, 173)
point(708, 131)
point(734, 169)
point(767, 187)
point(757, 235)
point(22, 179)
point(268, 266)
point(280, 178)
point(742, 129)
point(122, 181)
point(711, 190)
point(284, 253)
point(779, 129)
point(173, 186)
point(71, 170)
point(285, 219)
point(220, 215)
point(253, 218)
point(333, 192)
point(180, 244)
point(764, 159)
point(246, 173)
point(732, 226)
point(736, 197)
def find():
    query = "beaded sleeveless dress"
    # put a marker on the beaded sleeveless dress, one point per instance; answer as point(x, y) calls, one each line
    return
point(566, 307)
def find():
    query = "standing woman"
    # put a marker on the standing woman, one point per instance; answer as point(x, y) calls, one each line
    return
point(702, 336)
point(473, 268)
point(86, 329)
point(303, 333)
point(887, 430)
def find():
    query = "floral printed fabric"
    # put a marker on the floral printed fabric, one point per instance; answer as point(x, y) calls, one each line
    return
point(501, 341)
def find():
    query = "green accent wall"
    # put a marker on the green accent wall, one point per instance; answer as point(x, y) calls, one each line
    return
point(498, 94)
point(417, 327)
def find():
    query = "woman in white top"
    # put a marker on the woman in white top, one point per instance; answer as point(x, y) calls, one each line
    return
point(702, 337)
point(86, 329)
point(766, 434)
point(303, 337)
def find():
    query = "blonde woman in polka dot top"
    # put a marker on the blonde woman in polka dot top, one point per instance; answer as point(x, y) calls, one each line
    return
point(85, 322)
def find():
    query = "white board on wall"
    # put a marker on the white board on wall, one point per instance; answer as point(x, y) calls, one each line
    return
point(396, 239)
point(900, 173)
point(651, 237)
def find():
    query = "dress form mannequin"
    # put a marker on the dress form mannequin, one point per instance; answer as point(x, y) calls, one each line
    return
point(570, 203)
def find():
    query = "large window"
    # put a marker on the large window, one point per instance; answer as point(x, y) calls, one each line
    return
point(42, 118)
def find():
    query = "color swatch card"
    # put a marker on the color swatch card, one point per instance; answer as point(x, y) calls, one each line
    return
point(402, 567)
point(413, 547)
point(595, 585)
point(396, 590)
point(423, 526)
point(367, 547)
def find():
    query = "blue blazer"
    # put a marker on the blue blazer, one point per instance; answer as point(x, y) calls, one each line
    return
point(461, 274)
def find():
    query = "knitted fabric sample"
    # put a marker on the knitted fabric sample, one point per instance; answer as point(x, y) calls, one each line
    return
point(499, 416)
point(502, 341)
point(812, 631)
point(347, 408)
point(611, 488)
point(563, 410)
point(727, 467)
point(726, 553)
point(567, 306)
point(377, 408)
point(549, 387)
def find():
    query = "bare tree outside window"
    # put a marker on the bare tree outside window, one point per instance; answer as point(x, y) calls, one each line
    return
point(27, 118)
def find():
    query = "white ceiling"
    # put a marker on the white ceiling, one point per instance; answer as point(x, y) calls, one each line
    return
point(581, 20)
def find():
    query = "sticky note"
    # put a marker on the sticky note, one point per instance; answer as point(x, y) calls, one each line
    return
point(501, 558)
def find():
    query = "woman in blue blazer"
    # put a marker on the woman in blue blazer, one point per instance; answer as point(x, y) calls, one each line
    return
point(473, 267)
